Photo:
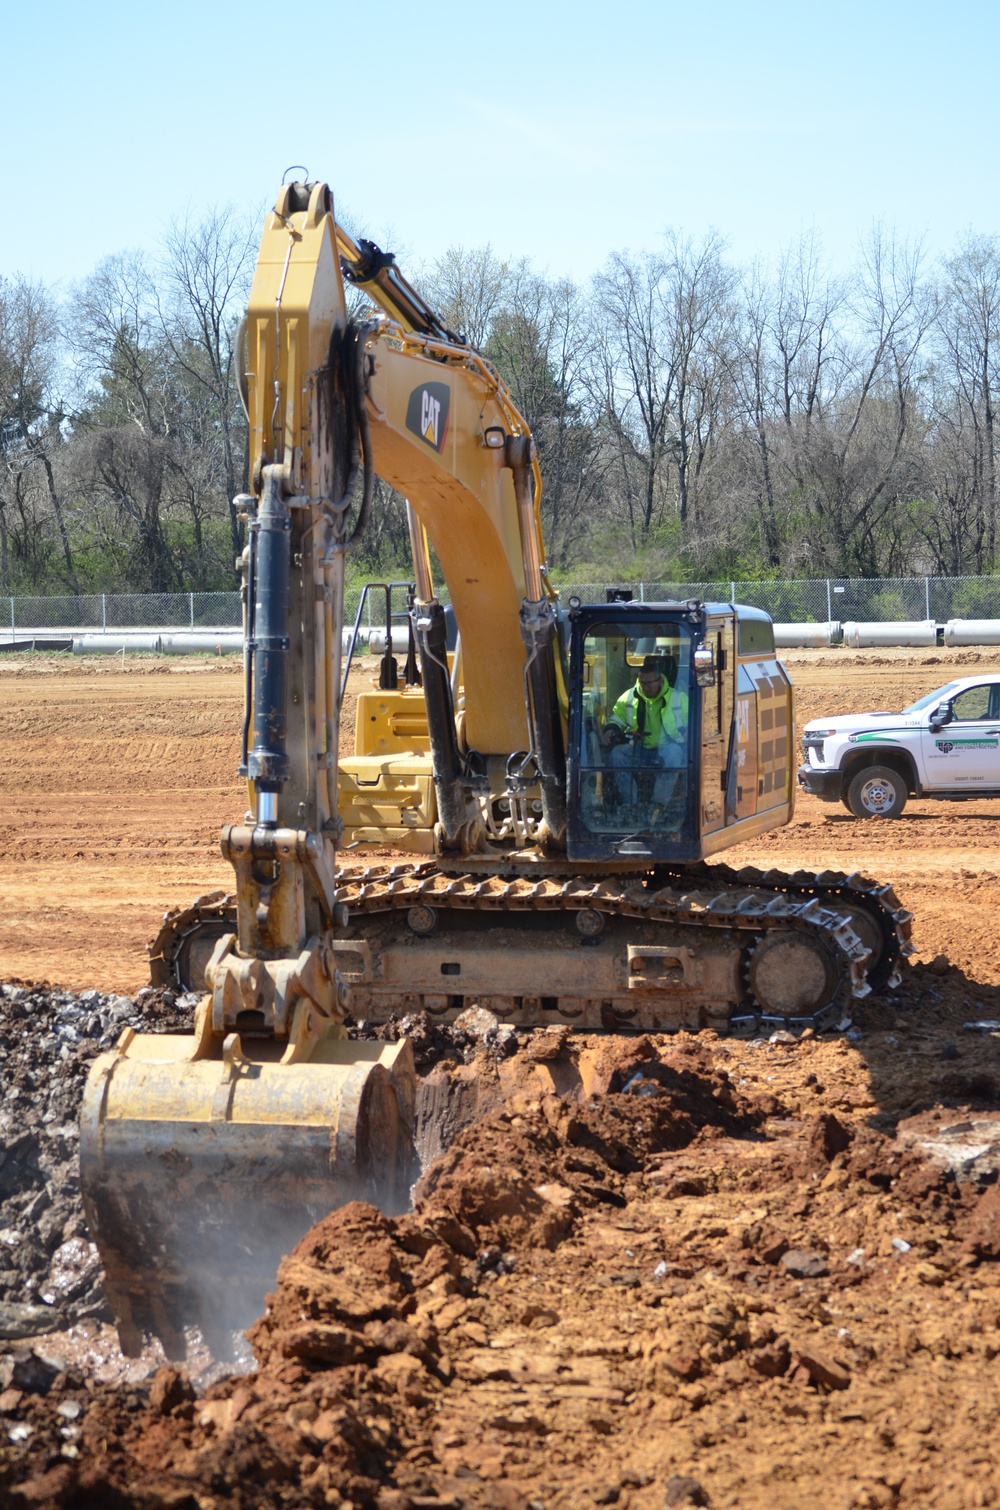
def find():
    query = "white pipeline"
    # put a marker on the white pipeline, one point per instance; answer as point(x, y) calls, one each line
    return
point(920, 632)
point(807, 636)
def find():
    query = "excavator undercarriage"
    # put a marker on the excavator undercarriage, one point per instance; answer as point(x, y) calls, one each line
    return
point(704, 947)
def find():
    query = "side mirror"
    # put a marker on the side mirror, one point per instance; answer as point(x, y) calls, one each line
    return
point(941, 715)
point(704, 665)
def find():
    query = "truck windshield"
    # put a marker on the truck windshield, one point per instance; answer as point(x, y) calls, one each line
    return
point(634, 756)
point(936, 696)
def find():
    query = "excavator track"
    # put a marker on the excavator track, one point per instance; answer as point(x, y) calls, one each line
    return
point(183, 947)
point(679, 931)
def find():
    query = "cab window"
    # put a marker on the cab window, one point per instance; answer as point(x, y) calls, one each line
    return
point(634, 753)
point(975, 703)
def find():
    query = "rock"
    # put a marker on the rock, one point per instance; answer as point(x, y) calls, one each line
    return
point(477, 1022)
point(982, 1240)
point(548, 1043)
point(18, 1320)
point(682, 1489)
point(555, 1194)
point(820, 1368)
point(170, 1389)
point(772, 1247)
point(827, 1138)
point(685, 1364)
point(406, 1375)
point(516, 1421)
point(771, 1360)
point(319, 1342)
point(939, 965)
point(75, 1265)
point(804, 1265)
point(640, 1085)
point(26, 1370)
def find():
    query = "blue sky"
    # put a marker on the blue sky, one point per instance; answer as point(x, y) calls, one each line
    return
point(555, 132)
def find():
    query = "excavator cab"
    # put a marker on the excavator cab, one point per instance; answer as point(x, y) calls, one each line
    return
point(680, 731)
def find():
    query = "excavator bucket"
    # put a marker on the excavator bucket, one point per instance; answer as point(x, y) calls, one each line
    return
point(200, 1171)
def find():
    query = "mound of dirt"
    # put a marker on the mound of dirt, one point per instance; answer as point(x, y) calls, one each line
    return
point(658, 1288)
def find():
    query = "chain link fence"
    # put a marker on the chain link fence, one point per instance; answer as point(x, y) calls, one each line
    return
point(817, 600)
point(107, 611)
point(871, 599)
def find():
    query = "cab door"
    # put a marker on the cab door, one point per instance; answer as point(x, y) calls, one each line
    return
point(717, 709)
point(965, 753)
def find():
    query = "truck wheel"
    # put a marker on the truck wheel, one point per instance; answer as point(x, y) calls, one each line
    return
point(877, 792)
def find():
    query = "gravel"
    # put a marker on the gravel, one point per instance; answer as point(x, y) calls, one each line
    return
point(50, 1272)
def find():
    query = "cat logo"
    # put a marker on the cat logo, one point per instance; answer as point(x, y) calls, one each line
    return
point(427, 414)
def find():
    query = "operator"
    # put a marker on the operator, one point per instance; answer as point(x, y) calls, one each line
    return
point(647, 728)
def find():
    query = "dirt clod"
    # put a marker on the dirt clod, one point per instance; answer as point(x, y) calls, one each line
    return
point(682, 1489)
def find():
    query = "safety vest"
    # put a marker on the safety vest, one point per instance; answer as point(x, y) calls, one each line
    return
point(647, 716)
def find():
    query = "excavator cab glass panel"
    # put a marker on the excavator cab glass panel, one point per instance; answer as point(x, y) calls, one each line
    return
point(634, 755)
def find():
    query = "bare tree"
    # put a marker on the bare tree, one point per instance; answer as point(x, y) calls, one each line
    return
point(128, 419)
point(968, 330)
point(785, 365)
point(206, 282)
point(697, 294)
point(118, 344)
point(868, 457)
point(536, 345)
point(632, 375)
point(468, 289)
point(30, 416)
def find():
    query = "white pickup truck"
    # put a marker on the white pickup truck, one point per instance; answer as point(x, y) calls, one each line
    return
point(945, 745)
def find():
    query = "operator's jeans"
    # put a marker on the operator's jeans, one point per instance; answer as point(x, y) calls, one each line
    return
point(668, 759)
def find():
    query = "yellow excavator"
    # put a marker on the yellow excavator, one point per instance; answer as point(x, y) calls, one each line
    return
point(561, 775)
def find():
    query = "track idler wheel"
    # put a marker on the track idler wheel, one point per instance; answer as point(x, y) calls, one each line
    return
point(793, 974)
point(185, 943)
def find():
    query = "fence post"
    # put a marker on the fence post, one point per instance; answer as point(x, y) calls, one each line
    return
point(191, 596)
point(104, 613)
point(732, 592)
point(927, 596)
point(829, 603)
point(12, 630)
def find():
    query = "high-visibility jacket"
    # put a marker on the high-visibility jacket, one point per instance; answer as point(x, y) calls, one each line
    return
point(653, 718)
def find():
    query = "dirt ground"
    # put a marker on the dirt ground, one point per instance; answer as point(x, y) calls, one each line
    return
point(649, 1272)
